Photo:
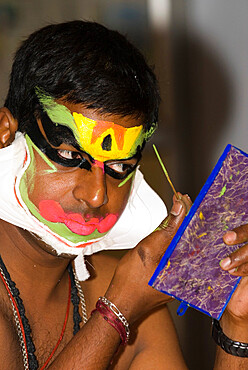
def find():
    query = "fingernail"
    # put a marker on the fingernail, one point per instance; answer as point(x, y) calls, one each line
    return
point(176, 208)
point(230, 236)
point(225, 262)
point(235, 269)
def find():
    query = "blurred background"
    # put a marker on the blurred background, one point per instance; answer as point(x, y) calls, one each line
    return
point(200, 53)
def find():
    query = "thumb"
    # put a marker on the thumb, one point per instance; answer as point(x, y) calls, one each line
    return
point(154, 245)
point(177, 213)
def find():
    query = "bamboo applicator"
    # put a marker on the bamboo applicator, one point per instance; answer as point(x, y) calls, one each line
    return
point(165, 171)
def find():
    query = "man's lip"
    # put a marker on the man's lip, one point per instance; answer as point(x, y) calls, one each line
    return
point(53, 212)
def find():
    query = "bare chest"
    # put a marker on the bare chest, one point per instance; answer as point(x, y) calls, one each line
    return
point(45, 335)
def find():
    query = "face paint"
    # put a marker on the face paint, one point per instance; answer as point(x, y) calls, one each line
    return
point(71, 226)
point(74, 159)
point(98, 143)
point(107, 140)
point(99, 164)
point(126, 179)
point(52, 211)
point(102, 140)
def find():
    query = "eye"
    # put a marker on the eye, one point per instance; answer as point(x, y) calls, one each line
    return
point(119, 170)
point(68, 154)
point(122, 168)
point(118, 167)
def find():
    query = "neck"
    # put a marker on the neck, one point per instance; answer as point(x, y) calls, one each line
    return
point(28, 262)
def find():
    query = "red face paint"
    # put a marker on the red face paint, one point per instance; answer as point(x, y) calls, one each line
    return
point(53, 212)
point(99, 164)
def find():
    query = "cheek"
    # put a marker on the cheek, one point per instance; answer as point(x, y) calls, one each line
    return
point(47, 187)
point(58, 187)
point(118, 197)
point(42, 184)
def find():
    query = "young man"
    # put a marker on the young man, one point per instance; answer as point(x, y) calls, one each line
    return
point(81, 105)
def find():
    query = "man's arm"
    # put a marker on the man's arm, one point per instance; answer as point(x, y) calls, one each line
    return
point(94, 346)
point(91, 348)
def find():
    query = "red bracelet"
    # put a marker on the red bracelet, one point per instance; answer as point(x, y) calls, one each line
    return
point(114, 317)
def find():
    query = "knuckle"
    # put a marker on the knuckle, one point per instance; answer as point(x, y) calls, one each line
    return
point(240, 255)
point(151, 251)
point(173, 225)
point(242, 233)
point(242, 270)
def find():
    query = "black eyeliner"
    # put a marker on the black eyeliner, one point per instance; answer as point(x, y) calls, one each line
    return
point(52, 153)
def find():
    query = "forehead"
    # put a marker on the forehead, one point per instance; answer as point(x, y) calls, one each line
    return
point(103, 136)
point(98, 116)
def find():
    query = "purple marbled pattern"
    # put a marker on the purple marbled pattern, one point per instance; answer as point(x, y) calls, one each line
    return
point(192, 273)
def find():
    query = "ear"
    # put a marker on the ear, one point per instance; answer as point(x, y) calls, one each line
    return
point(8, 127)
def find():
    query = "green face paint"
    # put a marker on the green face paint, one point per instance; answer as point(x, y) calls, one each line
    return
point(58, 113)
point(150, 132)
point(126, 179)
point(31, 147)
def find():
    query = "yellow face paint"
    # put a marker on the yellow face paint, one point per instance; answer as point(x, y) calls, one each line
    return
point(102, 140)
point(107, 140)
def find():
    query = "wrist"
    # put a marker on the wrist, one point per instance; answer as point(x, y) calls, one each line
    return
point(110, 312)
point(134, 304)
point(235, 327)
point(123, 304)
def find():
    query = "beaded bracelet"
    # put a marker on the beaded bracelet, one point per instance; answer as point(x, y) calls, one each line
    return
point(114, 317)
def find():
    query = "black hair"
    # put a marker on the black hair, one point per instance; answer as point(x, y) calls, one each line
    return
point(82, 62)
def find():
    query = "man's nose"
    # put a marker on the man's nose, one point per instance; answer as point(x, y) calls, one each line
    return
point(91, 188)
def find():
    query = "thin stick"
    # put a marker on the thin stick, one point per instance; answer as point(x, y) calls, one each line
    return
point(165, 171)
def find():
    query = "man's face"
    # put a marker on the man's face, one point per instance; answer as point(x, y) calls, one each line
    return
point(79, 178)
